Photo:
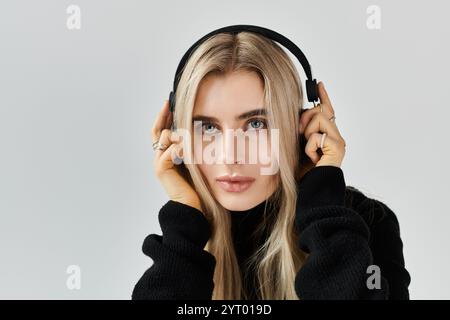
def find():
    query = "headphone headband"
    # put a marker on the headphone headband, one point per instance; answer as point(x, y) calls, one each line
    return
point(311, 84)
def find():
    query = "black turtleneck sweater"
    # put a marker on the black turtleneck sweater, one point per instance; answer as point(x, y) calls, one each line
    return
point(342, 230)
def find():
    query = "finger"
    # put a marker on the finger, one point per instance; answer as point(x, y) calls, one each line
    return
point(164, 162)
point(319, 123)
point(178, 141)
point(308, 114)
point(169, 120)
point(313, 145)
point(305, 117)
point(170, 154)
point(323, 94)
point(164, 138)
point(160, 121)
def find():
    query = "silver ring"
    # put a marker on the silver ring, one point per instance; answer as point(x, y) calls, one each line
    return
point(158, 146)
point(155, 144)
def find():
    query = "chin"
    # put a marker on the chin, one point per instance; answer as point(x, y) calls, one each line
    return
point(234, 207)
point(235, 203)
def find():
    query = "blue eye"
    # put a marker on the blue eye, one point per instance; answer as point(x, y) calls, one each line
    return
point(206, 127)
point(257, 124)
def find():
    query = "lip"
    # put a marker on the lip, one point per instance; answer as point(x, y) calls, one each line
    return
point(235, 184)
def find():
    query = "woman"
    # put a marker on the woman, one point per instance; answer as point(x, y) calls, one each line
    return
point(298, 233)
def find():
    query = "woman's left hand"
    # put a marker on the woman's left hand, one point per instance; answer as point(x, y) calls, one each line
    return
point(313, 123)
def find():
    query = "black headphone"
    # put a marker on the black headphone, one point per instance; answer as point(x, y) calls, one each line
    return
point(311, 84)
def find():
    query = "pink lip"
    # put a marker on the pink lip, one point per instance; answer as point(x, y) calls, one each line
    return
point(235, 184)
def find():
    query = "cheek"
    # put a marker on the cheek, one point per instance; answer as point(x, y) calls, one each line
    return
point(266, 182)
point(207, 171)
point(265, 143)
point(259, 145)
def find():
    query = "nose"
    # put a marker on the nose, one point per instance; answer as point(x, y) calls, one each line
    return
point(233, 147)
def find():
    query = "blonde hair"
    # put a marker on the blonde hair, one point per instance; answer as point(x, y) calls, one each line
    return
point(279, 258)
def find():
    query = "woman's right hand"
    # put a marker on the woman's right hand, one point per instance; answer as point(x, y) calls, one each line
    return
point(174, 184)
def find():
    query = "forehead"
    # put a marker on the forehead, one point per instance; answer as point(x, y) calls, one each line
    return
point(225, 95)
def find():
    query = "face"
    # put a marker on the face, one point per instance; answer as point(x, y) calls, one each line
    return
point(224, 104)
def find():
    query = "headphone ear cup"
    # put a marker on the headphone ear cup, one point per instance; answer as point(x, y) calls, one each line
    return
point(171, 101)
point(312, 90)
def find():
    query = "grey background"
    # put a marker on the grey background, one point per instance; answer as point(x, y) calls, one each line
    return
point(76, 108)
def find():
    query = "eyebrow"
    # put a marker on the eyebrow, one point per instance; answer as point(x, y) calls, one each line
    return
point(243, 116)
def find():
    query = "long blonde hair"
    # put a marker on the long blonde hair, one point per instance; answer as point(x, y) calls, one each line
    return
point(278, 260)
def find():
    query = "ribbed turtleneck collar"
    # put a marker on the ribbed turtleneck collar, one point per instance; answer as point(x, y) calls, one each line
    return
point(246, 240)
point(244, 224)
point(258, 209)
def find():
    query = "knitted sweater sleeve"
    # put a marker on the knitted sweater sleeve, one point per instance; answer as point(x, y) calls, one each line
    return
point(181, 268)
point(336, 239)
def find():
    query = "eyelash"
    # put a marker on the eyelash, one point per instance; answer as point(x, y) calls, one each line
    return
point(249, 121)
